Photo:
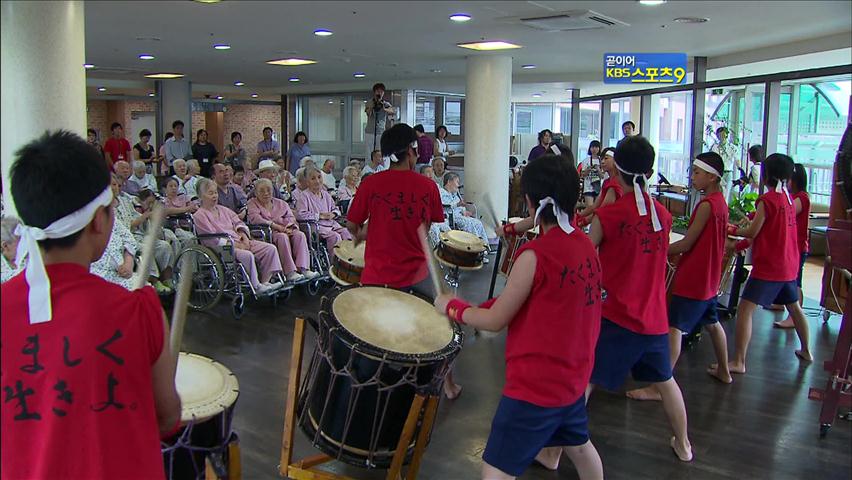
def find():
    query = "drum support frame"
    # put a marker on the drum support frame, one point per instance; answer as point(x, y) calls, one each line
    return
point(422, 407)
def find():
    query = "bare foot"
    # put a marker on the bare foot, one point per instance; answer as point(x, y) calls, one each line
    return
point(714, 371)
point(682, 450)
point(452, 391)
point(786, 323)
point(647, 393)
point(733, 367)
point(804, 355)
point(549, 457)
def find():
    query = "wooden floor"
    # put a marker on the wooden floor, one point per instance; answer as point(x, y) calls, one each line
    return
point(760, 427)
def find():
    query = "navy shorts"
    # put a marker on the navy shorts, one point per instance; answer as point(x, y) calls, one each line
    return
point(686, 313)
point(766, 292)
point(520, 430)
point(620, 351)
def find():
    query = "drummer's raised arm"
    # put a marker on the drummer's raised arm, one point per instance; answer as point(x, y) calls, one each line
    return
point(166, 399)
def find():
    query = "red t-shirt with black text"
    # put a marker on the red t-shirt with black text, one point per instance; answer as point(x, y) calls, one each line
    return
point(77, 390)
point(700, 269)
point(802, 221)
point(396, 202)
point(611, 184)
point(633, 258)
point(117, 148)
point(775, 254)
point(550, 346)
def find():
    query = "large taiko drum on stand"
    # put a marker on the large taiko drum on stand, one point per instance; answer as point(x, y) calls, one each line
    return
point(208, 392)
point(376, 348)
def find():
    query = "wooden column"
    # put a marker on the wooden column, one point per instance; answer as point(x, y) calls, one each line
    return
point(214, 123)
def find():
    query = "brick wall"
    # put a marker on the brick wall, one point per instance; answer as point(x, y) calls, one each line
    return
point(137, 106)
point(197, 123)
point(250, 120)
point(96, 117)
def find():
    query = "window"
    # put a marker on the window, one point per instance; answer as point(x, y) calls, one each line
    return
point(740, 109)
point(619, 113)
point(453, 115)
point(425, 113)
point(670, 114)
point(590, 124)
point(359, 120)
point(325, 119)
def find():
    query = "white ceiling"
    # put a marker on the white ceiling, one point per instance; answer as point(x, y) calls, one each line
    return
point(400, 42)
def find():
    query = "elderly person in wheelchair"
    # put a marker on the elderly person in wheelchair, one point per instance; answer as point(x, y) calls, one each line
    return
point(10, 264)
point(316, 205)
point(259, 259)
point(461, 218)
point(265, 209)
point(116, 263)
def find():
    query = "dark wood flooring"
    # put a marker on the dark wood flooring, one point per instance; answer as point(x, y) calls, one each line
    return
point(760, 427)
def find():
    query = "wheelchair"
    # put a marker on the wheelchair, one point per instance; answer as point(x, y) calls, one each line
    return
point(320, 259)
point(217, 271)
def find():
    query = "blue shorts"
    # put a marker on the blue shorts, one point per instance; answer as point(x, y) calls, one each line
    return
point(620, 351)
point(686, 313)
point(767, 292)
point(520, 430)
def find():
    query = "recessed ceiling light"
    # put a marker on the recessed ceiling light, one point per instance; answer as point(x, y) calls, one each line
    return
point(460, 17)
point(152, 94)
point(164, 76)
point(146, 56)
point(254, 95)
point(102, 89)
point(651, 3)
point(331, 102)
point(359, 74)
point(323, 32)
point(222, 46)
point(239, 84)
point(528, 67)
point(88, 66)
point(536, 95)
point(691, 20)
point(207, 1)
point(489, 45)
point(435, 70)
point(219, 97)
point(295, 79)
point(291, 62)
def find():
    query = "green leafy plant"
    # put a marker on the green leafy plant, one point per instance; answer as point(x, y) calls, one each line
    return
point(680, 223)
point(740, 206)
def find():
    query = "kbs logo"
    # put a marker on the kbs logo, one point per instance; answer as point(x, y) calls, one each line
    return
point(644, 68)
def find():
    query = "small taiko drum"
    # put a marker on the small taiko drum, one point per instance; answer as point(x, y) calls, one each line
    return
point(513, 243)
point(461, 249)
point(671, 263)
point(208, 392)
point(348, 262)
point(727, 266)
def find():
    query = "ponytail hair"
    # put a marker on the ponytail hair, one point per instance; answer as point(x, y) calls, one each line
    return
point(551, 176)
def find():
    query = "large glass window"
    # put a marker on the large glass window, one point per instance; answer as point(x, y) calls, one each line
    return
point(453, 115)
point(619, 113)
point(426, 112)
point(740, 110)
point(590, 124)
point(670, 134)
point(359, 120)
point(325, 118)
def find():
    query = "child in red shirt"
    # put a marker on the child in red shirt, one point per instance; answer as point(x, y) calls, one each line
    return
point(610, 188)
point(699, 271)
point(87, 374)
point(633, 239)
point(775, 258)
point(802, 202)
point(551, 305)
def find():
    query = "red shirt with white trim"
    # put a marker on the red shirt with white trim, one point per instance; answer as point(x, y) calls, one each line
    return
point(77, 390)
point(633, 258)
point(700, 269)
point(550, 347)
point(396, 202)
point(802, 221)
point(775, 254)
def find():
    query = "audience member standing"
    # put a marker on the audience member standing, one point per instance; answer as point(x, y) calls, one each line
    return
point(235, 154)
point(379, 113)
point(144, 151)
point(728, 152)
point(544, 138)
point(441, 149)
point(268, 149)
point(299, 150)
point(628, 128)
point(205, 152)
point(177, 146)
point(424, 145)
point(117, 147)
point(92, 139)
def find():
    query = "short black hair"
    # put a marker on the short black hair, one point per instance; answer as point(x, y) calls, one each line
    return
point(635, 154)
point(145, 133)
point(723, 129)
point(144, 194)
point(235, 135)
point(92, 132)
point(378, 86)
point(442, 127)
point(799, 179)
point(419, 128)
point(565, 153)
point(714, 160)
point(56, 162)
point(778, 167)
point(755, 153)
point(629, 122)
point(541, 134)
point(300, 134)
point(550, 176)
point(177, 123)
point(168, 136)
point(396, 139)
point(114, 126)
point(267, 128)
point(239, 168)
point(199, 132)
point(594, 143)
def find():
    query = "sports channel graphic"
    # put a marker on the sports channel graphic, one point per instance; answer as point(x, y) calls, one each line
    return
point(667, 68)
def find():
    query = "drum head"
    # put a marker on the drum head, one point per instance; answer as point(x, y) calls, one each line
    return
point(392, 320)
point(205, 386)
point(675, 237)
point(463, 241)
point(347, 251)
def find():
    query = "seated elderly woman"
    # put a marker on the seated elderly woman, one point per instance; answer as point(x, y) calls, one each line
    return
point(10, 265)
point(187, 180)
point(462, 218)
point(141, 178)
point(116, 263)
point(300, 186)
point(178, 204)
point(316, 204)
point(265, 209)
point(347, 189)
point(259, 259)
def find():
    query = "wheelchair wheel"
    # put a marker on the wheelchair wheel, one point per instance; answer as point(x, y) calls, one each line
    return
point(208, 282)
point(313, 287)
point(238, 305)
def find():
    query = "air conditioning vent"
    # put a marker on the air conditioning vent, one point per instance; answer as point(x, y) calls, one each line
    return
point(572, 20)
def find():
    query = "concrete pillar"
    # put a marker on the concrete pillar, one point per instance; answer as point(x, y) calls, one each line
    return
point(43, 80)
point(176, 104)
point(487, 132)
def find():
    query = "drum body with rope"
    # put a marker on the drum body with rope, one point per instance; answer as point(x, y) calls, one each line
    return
point(376, 348)
point(461, 249)
point(348, 262)
point(513, 243)
point(208, 393)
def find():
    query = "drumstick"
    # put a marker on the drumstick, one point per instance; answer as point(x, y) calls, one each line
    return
point(430, 261)
point(184, 288)
point(155, 221)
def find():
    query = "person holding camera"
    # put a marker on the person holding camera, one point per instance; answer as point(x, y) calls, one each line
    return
point(379, 113)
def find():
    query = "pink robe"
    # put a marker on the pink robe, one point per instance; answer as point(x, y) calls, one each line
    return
point(261, 255)
point(308, 207)
point(345, 193)
point(280, 213)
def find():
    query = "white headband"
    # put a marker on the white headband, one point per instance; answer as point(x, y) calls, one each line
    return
point(37, 279)
point(707, 168)
point(640, 199)
point(562, 218)
point(555, 149)
point(393, 158)
point(781, 186)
